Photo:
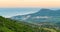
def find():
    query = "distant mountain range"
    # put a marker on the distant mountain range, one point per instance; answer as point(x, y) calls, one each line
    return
point(43, 15)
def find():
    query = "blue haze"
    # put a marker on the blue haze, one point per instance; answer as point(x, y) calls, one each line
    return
point(9, 12)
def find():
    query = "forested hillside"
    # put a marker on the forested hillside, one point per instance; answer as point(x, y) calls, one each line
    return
point(8, 25)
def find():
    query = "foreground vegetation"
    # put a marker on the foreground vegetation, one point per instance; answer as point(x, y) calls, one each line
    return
point(8, 25)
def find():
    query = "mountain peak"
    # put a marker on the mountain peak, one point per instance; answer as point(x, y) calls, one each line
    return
point(44, 9)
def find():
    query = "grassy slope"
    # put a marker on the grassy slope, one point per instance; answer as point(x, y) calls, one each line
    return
point(8, 25)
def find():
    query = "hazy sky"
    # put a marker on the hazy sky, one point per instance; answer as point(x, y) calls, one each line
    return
point(18, 7)
point(29, 3)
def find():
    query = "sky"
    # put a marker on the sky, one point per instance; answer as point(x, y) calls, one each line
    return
point(29, 3)
point(10, 8)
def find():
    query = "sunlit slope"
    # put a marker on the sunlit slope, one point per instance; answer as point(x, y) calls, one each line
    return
point(8, 25)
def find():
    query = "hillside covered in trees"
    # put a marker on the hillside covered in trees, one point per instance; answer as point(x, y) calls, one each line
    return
point(8, 25)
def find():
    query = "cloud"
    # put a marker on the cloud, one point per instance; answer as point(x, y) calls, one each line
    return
point(26, 17)
point(41, 17)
